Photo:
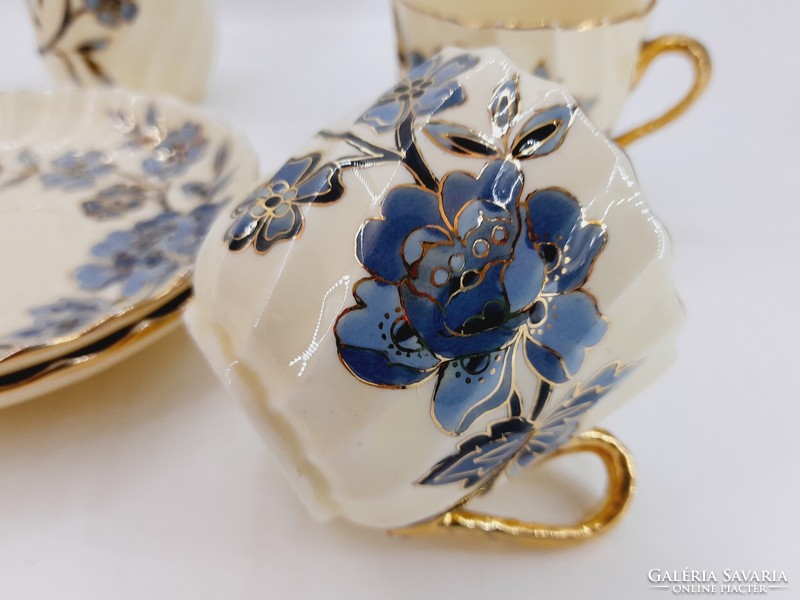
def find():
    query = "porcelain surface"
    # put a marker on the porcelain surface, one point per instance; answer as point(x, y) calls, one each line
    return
point(146, 45)
point(591, 48)
point(438, 294)
point(61, 371)
point(105, 197)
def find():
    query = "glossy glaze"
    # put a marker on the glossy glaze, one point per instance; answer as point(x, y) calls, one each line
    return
point(438, 292)
point(105, 198)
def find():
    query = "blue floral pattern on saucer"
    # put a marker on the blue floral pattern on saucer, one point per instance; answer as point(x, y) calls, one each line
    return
point(163, 186)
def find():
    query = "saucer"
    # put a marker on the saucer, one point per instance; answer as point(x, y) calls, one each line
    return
point(105, 197)
point(78, 365)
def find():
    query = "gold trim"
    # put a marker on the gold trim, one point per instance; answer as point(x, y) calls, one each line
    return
point(531, 26)
point(158, 321)
point(621, 483)
point(701, 61)
point(36, 354)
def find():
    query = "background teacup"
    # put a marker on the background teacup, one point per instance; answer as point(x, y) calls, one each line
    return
point(597, 49)
point(147, 45)
point(434, 294)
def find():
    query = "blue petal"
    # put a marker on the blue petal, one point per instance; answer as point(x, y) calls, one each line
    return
point(385, 116)
point(436, 99)
point(475, 219)
point(129, 11)
point(557, 345)
point(204, 215)
point(431, 242)
point(379, 245)
point(500, 182)
point(96, 277)
point(376, 342)
point(319, 187)
point(524, 276)
point(154, 167)
point(470, 386)
point(553, 215)
point(142, 278)
point(478, 308)
point(295, 169)
point(556, 218)
point(282, 227)
point(454, 67)
point(243, 229)
point(284, 224)
point(422, 70)
point(427, 318)
point(545, 363)
point(584, 245)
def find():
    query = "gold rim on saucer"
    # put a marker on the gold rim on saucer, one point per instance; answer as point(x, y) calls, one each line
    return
point(34, 356)
point(51, 375)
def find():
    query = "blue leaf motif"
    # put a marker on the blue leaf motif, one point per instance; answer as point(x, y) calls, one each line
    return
point(481, 457)
point(504, 107)
point(556, 426)
point(459, 140)
point(543, 133)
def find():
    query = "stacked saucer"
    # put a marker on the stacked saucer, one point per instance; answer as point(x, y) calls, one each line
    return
point(105, 197)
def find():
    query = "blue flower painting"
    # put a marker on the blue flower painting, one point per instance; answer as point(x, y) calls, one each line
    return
point(180, 149)
point(468, 274)
point(77, 170)
point(147, 255)
point(429, 88)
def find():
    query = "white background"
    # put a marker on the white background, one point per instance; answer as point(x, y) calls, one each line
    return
point(148, 482)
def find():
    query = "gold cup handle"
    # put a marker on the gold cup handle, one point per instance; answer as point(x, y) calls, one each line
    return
point(621, 480)
point(701, 62)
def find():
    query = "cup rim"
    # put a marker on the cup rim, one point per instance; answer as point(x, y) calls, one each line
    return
point(530, 26)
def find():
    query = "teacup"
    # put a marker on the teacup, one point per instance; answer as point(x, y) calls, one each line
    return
point(455, 286)
point(147, 45)
point(597, 49)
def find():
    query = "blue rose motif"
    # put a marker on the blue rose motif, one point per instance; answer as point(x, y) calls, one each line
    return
point(77, 170)
point(426, 90)
point(149, 254)
point(179, 150)
point(460, 279)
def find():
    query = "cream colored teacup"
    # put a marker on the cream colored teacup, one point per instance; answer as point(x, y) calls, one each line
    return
point(147, 45)
point(453, 286)
point(595, 48)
